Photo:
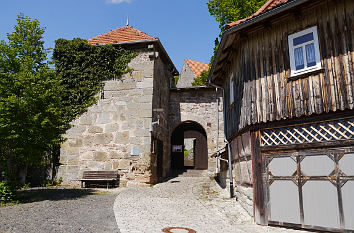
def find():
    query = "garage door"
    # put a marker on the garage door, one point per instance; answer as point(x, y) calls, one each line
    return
point(312, 188)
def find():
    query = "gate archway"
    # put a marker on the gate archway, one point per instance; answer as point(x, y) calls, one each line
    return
point(189, 147)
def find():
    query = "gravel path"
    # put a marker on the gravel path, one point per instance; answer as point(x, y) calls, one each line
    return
point(196, 203)
point(217, 201)
point(60, 210)
point(169, 204)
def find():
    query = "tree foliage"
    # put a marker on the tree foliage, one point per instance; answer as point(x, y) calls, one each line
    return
point(30, 116)
point(82, 69)
point(202, 79)
point(37, 103)
point(7, 192)
point(175, 79)
point(227, 11)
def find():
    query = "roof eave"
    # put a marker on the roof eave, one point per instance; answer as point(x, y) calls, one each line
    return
point(131, 42)
point(191, 88)
point(175, 71)
point(256, 19)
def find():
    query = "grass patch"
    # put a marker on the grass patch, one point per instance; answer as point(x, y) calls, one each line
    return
point(208, 193)
point(11, 203)
point(96, 192)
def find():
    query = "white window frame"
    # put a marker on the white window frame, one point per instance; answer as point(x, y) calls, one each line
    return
point(292, 48)
point(232, 89)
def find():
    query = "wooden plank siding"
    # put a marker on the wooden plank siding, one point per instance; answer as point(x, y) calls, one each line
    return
point(264, 90)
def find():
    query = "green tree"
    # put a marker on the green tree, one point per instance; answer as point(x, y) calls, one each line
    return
point(227, 11)
point(202, 79)
point(30, 116)
point(82, 69)
point(175, 78)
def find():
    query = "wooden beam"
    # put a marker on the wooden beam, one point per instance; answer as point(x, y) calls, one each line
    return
point(258, 190)
point(317, 145)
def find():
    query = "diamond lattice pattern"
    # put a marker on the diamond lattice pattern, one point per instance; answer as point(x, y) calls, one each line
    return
point(309, 133)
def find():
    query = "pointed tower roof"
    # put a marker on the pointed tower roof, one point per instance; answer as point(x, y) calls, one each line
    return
point(197, 67)
point(120, 35)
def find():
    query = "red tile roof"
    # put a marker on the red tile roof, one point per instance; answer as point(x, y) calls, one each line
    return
point(119, 35)
point(197, 67)
point(270, 4)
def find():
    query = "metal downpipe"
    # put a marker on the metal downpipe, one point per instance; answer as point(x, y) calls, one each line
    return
point(217, 129)
point(228, 143)
point(230, 169)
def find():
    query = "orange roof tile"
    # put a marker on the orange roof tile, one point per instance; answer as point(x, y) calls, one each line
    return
point(197, 67)
point(270, 4)
point(119, 35)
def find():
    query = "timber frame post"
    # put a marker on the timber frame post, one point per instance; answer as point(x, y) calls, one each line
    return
point(258, 188)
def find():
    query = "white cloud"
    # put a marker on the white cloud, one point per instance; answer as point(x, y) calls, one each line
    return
point(118, 1)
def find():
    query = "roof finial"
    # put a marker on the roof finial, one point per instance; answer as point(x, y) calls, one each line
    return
point(127, 21)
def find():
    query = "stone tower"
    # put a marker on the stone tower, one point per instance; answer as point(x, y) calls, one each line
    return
point(118, 132)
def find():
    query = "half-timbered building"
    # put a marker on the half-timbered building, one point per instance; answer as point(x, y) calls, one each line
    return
point(287, 75)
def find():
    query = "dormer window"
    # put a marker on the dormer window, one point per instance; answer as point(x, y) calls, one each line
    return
point(304, 51)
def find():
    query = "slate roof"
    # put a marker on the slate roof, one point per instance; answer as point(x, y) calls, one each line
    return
point(197, 67)
point(119, 35)
point(270, 4)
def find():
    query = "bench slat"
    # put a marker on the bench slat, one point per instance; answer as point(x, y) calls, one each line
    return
point(108, 176)
point(98, 179)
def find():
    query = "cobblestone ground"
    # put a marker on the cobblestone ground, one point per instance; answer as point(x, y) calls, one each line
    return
point(190, 202)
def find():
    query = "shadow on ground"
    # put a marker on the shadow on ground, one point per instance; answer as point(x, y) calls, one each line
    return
point(53, 194)
point(221, 183)
point(173, 174)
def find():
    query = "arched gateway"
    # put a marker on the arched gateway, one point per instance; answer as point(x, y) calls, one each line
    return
point(189, 147)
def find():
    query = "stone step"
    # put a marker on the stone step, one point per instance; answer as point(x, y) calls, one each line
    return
point(190, 173)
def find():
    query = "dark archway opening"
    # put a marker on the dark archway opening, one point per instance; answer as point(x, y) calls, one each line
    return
point(189, 149)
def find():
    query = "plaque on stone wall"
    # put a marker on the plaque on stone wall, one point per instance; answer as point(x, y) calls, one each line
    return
point(159, 110)
point(176, 148)
point(134, 151)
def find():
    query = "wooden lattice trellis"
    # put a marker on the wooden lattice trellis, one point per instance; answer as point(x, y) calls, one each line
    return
point(309, 133)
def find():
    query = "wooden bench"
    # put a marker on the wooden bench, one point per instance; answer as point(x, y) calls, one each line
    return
point(110, 177)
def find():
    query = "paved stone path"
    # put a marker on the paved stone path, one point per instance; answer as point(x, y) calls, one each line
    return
point(190, 202)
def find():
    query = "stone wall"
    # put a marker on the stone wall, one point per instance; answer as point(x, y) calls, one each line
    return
point(241, 170)
point(114, 133)
point(160, 106)
point(186, 77)
point(245, 198)
point(199, 105)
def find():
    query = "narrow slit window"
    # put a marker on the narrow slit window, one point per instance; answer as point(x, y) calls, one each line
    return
point(232, 96)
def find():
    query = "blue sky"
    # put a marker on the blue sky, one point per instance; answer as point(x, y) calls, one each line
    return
point(184, 27)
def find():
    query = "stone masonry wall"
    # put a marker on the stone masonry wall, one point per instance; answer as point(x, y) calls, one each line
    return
point(186, 77)
point(103, 137)
point(199, 105)
point(241, 172)
point(162, 78)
